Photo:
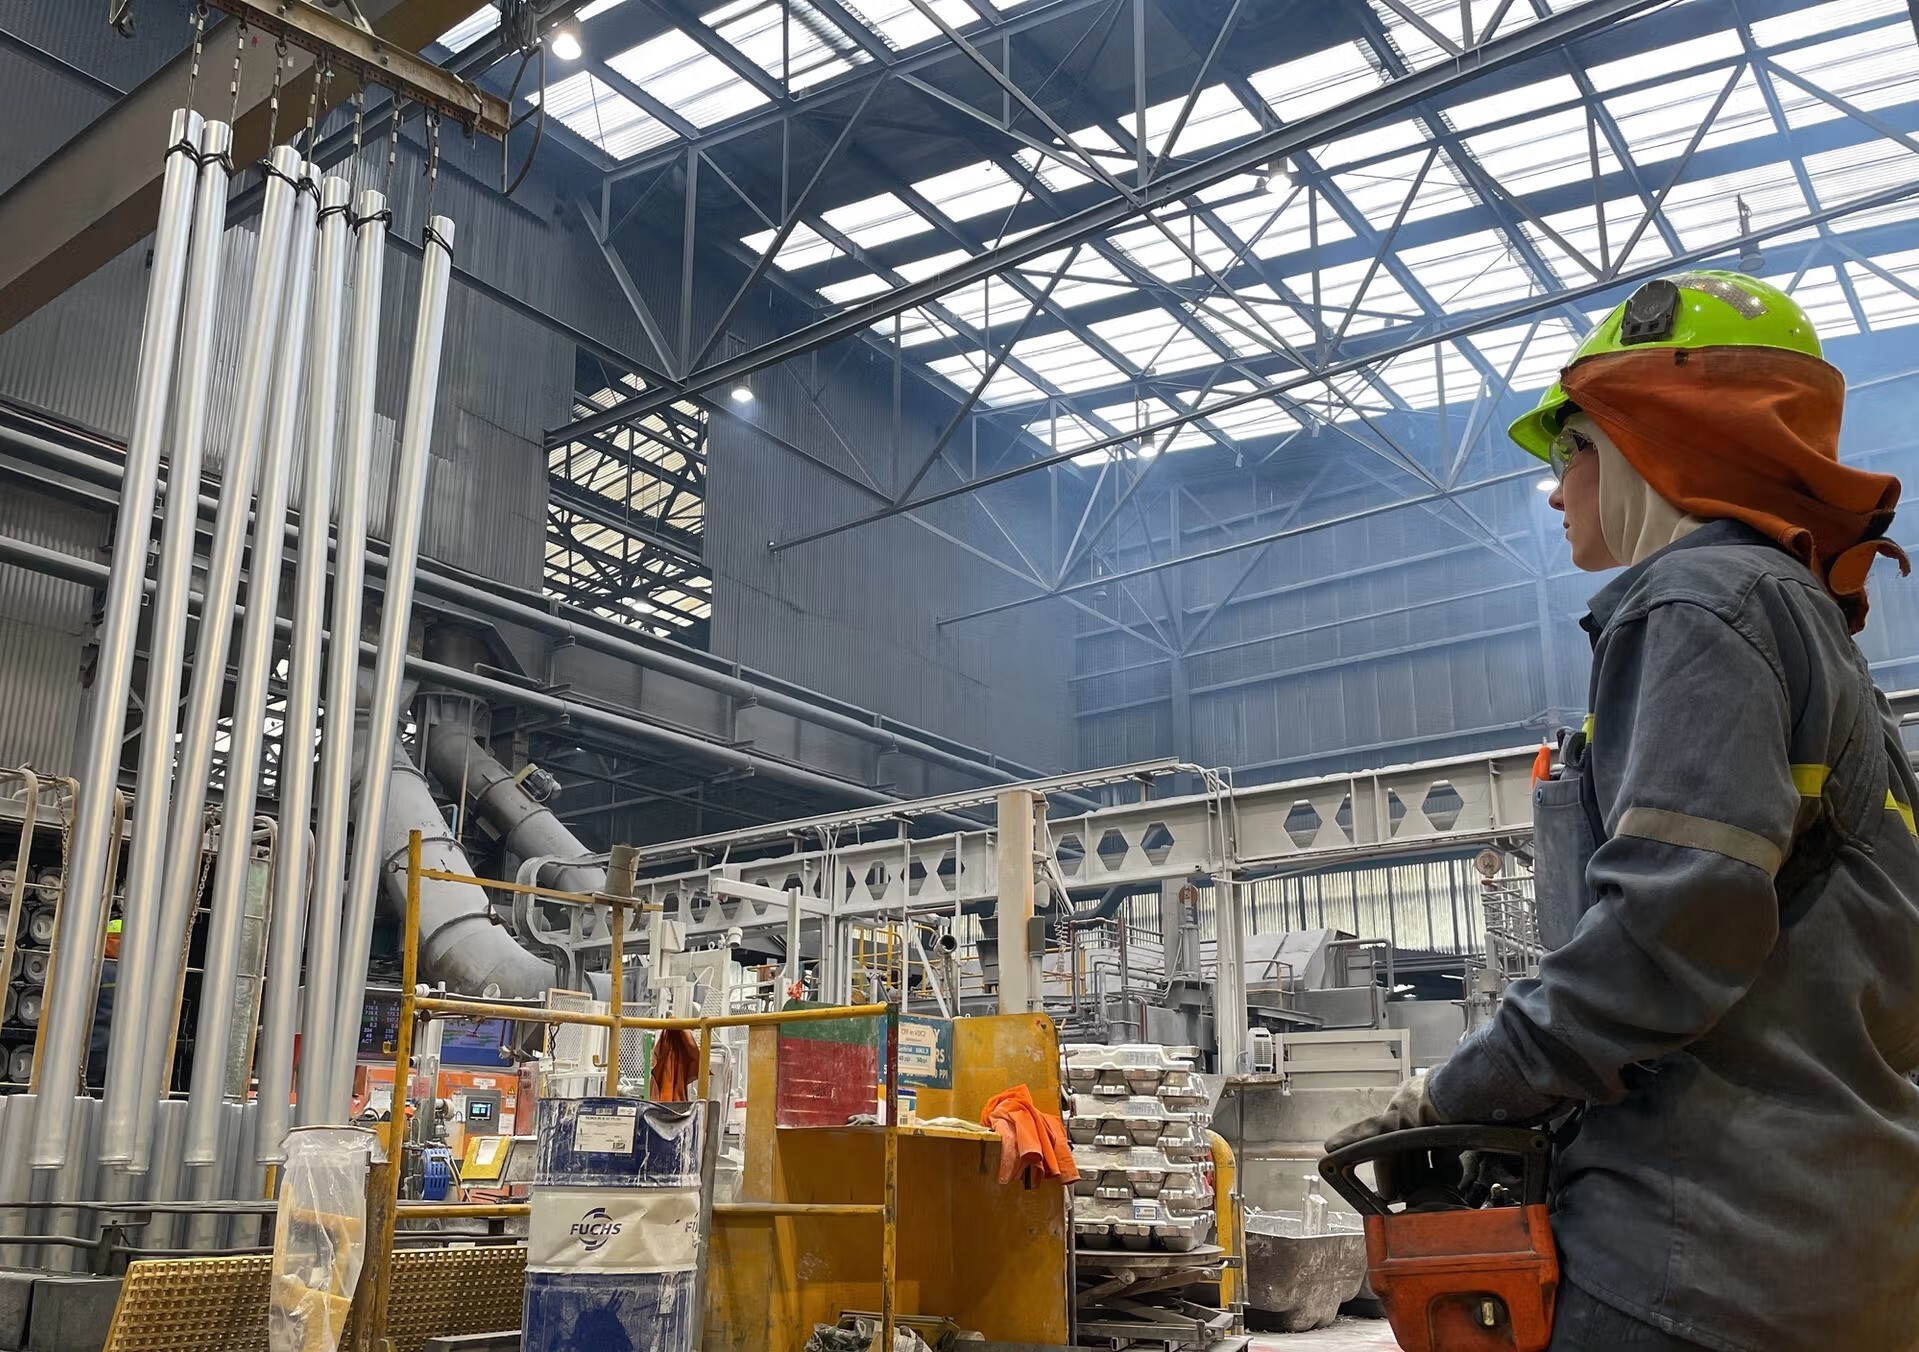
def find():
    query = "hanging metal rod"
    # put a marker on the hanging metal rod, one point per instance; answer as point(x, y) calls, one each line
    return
point(1247, 157)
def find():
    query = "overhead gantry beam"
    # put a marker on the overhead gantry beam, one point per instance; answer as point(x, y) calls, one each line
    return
point(99, 194)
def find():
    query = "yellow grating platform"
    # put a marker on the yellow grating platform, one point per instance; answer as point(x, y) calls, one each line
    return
point(440, 1292)
point(220, 1304)
point(203, 1304)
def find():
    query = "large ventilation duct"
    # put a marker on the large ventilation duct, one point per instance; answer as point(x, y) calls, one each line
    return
point(528, 829)
point(459, 942)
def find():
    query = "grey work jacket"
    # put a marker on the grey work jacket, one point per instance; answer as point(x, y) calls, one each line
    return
point(1736, 1000)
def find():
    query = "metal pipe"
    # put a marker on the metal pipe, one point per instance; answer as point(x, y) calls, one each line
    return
point(396, 613)
point(87, 888)
point(574, 625)
point(259, 336)
point(124, 1096)
point(280, 1012)
point(213, 1039)
point(343, 667)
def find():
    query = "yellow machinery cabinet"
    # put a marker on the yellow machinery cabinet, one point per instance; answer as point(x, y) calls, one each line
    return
point(991, 1257)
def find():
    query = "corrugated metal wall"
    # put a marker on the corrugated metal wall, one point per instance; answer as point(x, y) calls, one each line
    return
point(856, 615)
point(1403, 636)
point(44, 632)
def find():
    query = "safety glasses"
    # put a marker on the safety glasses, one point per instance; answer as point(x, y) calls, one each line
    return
point(1567, 447)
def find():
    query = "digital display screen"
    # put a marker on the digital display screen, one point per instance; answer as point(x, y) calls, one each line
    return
point(479, 1111)
point(379, 1025)
point(474, 1042)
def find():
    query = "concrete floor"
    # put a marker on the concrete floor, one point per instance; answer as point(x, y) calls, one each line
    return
point(1348, 1335)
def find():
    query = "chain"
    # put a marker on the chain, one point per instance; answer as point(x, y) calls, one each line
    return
point(199, 40)
point(273, 99)
point(392, 152)
point(322, 78)
point(359, 134)
point(432, 161)
point(233, 88)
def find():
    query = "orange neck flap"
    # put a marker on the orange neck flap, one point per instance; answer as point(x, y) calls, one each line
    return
point(1750, 433)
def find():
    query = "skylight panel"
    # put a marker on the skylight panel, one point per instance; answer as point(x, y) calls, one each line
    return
point(1053, 175)
point(1066, 432)
point(1816, 19)
point(1866, 70)
point(876, 220)
point(1007, 386)
point(1821, 296)
point(1721, 47)
point(1469, 272)
point(470, 29)
point(1579, 227)
point(1384, 303)
point(1250, 421)
point(1541, 153)
point(1471, 114)
point(1067, 363)
point(1364, 145)
point(1141, 413)
point(857, 288)
point(1431, 376)
point(1085, 281)
point(1165, 258)
point(970, 190)
point(919, 269)
point(1217, 117)
point(1312, 84)
point(803, 248)
point(1378, 191)
point(1658, 123)
point(587, 106)
point(687, 78)
point(1839, 176)
point(900, 24)
point(1886, 305)
point(1705, 210)
point(1155, 341)
point(1222, 314)
point(1307, 221)
point(788, 39)
point(1546, 352)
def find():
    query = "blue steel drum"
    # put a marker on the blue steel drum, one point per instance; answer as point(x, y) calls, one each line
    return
point(613, 1235)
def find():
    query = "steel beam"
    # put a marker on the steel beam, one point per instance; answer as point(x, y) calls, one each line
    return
point(1592, 17)
point(99, 194)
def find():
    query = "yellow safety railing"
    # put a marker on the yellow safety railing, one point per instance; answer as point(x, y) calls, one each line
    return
point(415, 1006)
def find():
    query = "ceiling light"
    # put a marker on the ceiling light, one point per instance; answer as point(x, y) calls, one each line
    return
point(1547, 485)
point(742, 394)
point(566, 45)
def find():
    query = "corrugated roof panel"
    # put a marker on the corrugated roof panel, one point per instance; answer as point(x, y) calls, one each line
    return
point(788, 39)
point(1872, 71)
point(803, 248)
point(876, 220)
point(1822, 297)
point(687, 78)
point(1816, 19)
point(1066, 362)
point(590, 107)
point(1312, 84)
point(1886, 305)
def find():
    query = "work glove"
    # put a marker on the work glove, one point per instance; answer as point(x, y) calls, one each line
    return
point(1410, 1107)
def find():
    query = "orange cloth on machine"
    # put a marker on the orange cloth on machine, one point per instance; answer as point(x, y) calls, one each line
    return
point(1032, 1143)
point(676, 1065)
point(1750, 433)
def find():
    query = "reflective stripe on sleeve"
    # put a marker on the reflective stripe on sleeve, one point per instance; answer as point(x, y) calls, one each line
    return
point(1702, 833)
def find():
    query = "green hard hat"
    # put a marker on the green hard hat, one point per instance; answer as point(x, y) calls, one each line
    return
point(1688, 309)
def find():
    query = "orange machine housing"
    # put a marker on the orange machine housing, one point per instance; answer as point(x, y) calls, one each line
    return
point(1466, 1281)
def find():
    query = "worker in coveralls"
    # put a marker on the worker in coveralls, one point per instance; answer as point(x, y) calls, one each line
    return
point(1727, 870)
